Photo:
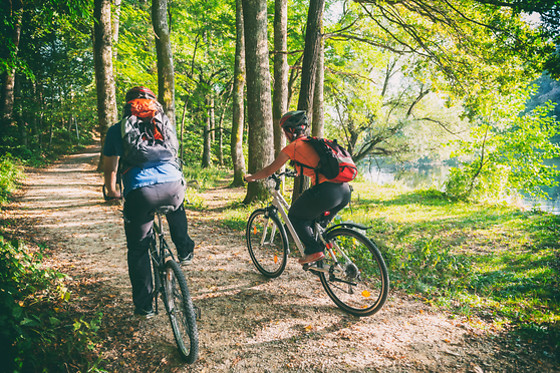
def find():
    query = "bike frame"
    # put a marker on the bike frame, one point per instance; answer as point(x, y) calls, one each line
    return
point(280, 204)
point(159, 255)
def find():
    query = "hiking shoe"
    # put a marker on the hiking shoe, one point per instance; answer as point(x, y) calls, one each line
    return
point(147, 314)
point(187, 259)
point(311, 258)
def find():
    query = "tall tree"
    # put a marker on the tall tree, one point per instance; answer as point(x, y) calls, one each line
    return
point(166, 74)
point(311, 50)
point(280, 98)
point(258, 93)
point(116, 11)
point(207, 150)
point(238, 117)
point(318, 117)
point(103, 61)
point(310, 53)
point(13, 33)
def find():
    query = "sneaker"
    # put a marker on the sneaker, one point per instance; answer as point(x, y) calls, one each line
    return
point(147, 314)
point(186, 260)
point(311, 258)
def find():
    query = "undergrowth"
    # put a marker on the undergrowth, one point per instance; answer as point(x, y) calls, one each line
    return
point(37, 332)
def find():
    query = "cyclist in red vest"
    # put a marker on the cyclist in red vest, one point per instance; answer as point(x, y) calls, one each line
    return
point(323, 196)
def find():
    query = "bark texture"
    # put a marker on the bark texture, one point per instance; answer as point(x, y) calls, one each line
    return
point(238, 119)
point(166, 74)
point(103, 60)
point(259, 110)
point(280, 98)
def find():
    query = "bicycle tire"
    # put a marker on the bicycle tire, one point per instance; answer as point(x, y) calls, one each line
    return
point(269, 254)
point(359, 286)
point(180, 309)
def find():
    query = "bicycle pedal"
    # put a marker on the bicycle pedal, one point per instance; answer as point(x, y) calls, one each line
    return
point(309, 266)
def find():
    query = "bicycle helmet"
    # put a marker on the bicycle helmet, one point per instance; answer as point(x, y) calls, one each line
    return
point(139, 92)
point(294, 121)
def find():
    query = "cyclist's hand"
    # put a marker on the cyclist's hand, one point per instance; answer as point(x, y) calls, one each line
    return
point(249, 178)
point(111, 195)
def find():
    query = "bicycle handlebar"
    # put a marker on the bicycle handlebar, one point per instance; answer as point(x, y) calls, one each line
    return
point(277, 177)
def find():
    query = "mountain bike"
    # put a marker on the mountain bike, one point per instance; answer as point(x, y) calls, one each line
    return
point(353, 272)
point(170, 282)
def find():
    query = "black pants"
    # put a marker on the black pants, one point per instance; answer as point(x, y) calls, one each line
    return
point(311, 204)
point(138, 211)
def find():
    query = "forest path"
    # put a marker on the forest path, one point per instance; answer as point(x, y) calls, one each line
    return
point(248, 323)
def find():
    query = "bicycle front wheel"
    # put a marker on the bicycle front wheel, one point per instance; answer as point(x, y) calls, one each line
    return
point(267, 243)
point(357, 279)
point(179, 307)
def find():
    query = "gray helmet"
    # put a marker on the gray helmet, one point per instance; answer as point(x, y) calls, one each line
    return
point(294, 121)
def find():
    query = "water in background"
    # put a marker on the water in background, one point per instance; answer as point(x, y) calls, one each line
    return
point(421, 174)
point(425, 174)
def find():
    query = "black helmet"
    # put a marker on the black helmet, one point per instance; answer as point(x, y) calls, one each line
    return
point(294, 121)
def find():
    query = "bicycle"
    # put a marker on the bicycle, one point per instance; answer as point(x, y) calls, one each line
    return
point(170, 281)
point(353, 272)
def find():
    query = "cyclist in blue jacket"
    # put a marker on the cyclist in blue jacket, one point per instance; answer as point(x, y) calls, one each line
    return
point(145, 188)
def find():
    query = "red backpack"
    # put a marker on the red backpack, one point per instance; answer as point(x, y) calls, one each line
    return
point(335, 162)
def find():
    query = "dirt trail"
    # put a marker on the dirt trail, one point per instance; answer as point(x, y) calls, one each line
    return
point(249, 324)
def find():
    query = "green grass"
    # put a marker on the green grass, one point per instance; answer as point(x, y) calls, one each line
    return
point(490, 261)
point(199, 178)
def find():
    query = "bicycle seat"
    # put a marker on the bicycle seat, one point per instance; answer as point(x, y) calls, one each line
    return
point(324, 219)
point(164, 210)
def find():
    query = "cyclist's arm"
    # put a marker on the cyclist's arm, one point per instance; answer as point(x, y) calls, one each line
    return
point(110, 169)
point(270, 169)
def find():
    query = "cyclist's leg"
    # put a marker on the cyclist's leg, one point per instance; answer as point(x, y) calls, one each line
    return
point(344, 194)
point(310, 205)
point(138, 216)
point(174, 194)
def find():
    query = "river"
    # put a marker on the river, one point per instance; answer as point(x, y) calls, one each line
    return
point(429, 175)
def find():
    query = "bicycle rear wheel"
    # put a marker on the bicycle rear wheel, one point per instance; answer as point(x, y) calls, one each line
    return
point(267, 243)
point(180, 310)
point(357, 282)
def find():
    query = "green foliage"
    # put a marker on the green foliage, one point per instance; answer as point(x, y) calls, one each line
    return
point(36, 333)
point(507, 153)
point(10, 175)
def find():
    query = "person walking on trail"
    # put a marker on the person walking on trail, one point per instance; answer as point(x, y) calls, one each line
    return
point(143, 148)
point(323, 196)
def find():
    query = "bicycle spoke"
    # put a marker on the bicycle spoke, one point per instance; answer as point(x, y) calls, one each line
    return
point(356, 279)
point(267, 243)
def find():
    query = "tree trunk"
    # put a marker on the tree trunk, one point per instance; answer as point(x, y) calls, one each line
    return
point(212, 118)
point(220, 127)
point(310, 53)
point(206, 152)
point(116, 21)
point(280, 99)
point(103, 61)
point(237, 156)
point(166, 75)
point(308, 72)
point(182, 131)
point(318, 114)
point(7, 103)
point(261, 145)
